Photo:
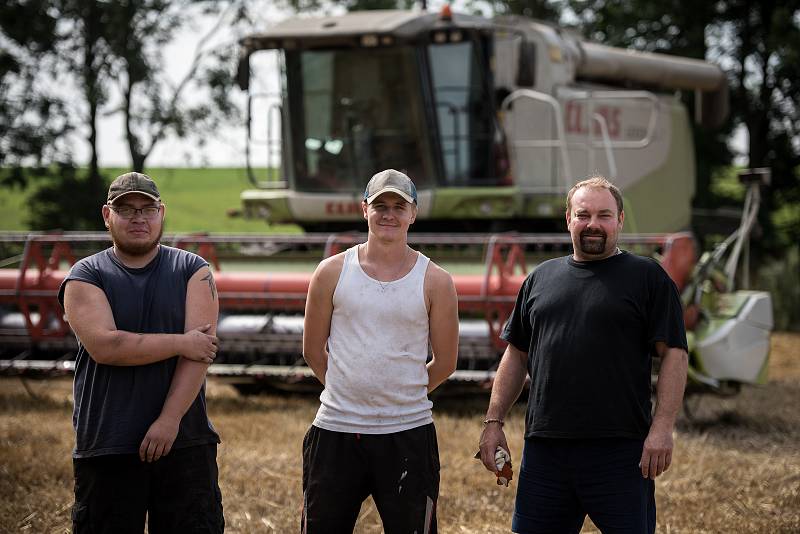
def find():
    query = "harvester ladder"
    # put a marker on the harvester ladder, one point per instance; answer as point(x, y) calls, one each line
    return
point(272, 142)
point(605, 143)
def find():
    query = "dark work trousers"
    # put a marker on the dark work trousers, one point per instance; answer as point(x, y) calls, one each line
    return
point(400, 471)
point(563, 480)
point(178, 493)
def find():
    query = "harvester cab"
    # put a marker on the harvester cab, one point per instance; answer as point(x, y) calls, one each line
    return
point(493, 119)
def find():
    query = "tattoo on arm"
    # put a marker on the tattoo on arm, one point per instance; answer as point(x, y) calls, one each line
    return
point(211, 285)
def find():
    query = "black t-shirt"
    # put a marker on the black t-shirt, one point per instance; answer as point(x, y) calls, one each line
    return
point(115, 405)
point(589, 329)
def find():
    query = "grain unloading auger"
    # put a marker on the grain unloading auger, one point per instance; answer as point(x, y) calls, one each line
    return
point(262, 283)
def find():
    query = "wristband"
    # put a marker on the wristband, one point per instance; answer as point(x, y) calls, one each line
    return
point(498, 421)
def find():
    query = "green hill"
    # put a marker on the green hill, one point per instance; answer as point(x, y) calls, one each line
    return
point(197, 200)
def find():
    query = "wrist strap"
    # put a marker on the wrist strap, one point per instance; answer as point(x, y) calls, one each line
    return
point(498, 421)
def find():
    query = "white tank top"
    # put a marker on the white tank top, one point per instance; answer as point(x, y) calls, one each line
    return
point(376, 382)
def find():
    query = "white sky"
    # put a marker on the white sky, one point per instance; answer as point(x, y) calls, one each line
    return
point(228, 146)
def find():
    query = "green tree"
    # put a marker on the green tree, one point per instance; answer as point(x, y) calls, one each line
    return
point(32, 115)
point(547, 10)
point(86, 55)
point(35, 119)
point(762, 39)
point(757, 44)
point(92, 45)
point(153, 108)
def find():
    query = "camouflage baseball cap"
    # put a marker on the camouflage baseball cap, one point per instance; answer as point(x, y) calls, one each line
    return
point(132, 182)
point(392, 181)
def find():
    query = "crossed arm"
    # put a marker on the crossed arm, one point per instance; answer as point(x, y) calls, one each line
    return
point(89, 314)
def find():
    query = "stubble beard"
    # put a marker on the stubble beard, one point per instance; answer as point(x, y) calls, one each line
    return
point(134, 249)
point(593, 247)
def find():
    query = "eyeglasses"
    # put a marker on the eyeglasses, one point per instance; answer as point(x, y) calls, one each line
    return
point(128, 212)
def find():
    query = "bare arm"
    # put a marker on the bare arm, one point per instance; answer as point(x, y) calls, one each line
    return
point(443, 325)
point(202, 307)
point(657, 451)
point(319, 310)
point(89, 314)
point(508, 383)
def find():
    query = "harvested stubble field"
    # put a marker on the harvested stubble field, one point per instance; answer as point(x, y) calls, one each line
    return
point(736, 464)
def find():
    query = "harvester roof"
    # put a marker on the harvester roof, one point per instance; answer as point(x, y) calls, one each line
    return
point(344, 30)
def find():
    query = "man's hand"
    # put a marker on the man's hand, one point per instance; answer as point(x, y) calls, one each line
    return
point(657, 452)
point(492, 437)
point(159, 439)
point(199, 346)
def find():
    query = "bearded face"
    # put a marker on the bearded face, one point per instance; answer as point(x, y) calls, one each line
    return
point(593, 241)
point(134, 234)
point(137, 243)
point(594, 223)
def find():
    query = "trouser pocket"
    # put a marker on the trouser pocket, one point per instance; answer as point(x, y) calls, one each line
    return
point(80, 519)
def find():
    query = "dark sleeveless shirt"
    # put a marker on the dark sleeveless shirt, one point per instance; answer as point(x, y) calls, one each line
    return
point(115, 405)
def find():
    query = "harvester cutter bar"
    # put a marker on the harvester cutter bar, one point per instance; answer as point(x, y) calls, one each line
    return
point(506, 259)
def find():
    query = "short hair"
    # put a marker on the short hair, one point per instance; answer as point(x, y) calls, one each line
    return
point(596, 181)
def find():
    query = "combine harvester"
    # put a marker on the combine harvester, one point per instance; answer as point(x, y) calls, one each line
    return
point(494, 120)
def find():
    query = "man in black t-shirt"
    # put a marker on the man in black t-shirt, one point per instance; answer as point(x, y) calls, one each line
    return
point(585, 328)
point(145, 317)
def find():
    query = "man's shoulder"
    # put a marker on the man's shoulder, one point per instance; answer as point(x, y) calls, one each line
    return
point(643, 263)
point(634, 258)
point(94, 262)
point(332, 263)
point(647, 271)
point(92, 270)
point(549, 267)
point(178, 253)
point(437, 274)
point(329, 270)
point(555, 263)
point(179, 258)
point(438, 282)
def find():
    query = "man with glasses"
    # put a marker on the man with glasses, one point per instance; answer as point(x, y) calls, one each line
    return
point(145, 317)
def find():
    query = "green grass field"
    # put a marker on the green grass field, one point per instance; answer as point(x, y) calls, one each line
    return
point(12, 209)
point(197, 200)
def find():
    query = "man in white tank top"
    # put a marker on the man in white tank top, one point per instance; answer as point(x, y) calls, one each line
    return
point(372, 313)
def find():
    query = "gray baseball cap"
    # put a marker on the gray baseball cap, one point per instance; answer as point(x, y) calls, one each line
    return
point(392, 181)
point(132, 182)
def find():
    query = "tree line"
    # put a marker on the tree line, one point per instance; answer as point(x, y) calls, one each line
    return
point(64, 63)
